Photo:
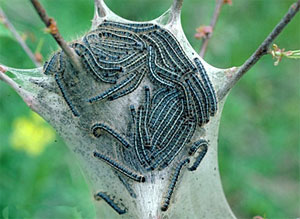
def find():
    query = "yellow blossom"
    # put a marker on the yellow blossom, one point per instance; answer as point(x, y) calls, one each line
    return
point(31, 134)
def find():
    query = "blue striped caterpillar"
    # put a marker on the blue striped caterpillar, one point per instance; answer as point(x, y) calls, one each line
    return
point(110, 202)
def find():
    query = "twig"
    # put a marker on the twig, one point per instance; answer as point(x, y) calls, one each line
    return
point(51, 24)
point(100, 8)
point(19, 39)
point(262, 49)
point(176, 7)
point(213, 22)
point(175, 11)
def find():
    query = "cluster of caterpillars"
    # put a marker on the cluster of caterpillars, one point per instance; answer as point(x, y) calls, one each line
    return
point(182, 97)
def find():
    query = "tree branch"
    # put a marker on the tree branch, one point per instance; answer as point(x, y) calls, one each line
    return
point(100, 9)
point(213, 22)
point(262, 49)
point(19, 39)
point(175, 11)
point(176, 7)
point(51, 24)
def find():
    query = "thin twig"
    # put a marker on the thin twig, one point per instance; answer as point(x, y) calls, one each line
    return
point(175, 11)
point(176, 7)
point(262, 49)
point(19, 39)
point(51, 24)
point(100, 8)
point(213, 22)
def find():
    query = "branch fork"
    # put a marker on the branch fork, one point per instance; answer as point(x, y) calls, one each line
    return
point(51, 25)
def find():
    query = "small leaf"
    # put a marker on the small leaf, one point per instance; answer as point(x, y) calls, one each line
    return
point(229, 2)
point(260, 217)
point(53, 27)
point(278, 54)
point(203, 31)
point(2, 69)
point(292, 54)
point(38, 57)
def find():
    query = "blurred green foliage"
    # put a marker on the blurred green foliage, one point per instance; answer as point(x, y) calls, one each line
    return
point(259, 133)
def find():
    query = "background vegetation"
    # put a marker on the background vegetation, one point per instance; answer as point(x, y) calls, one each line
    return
point(259, 133)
